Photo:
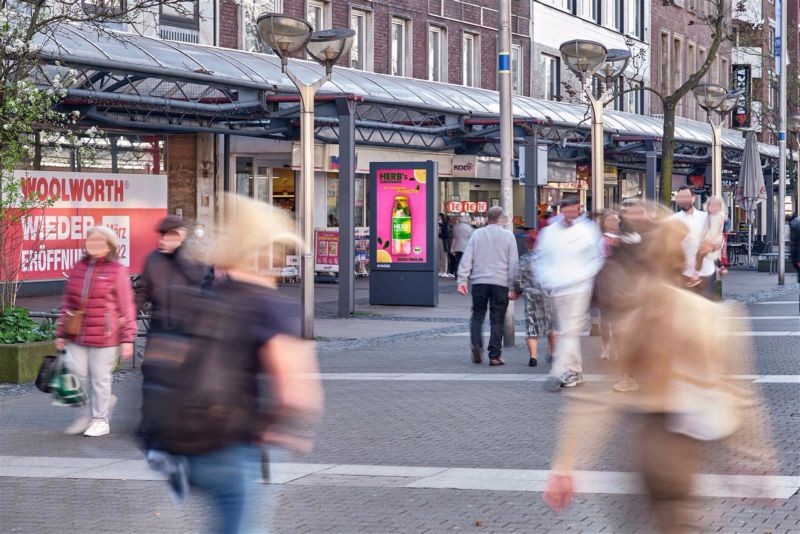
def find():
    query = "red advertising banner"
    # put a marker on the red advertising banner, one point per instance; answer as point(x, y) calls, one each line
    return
point(466, 207)
point(50, 241)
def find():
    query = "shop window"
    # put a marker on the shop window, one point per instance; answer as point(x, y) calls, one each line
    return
point(250, 12)
point(108, 8)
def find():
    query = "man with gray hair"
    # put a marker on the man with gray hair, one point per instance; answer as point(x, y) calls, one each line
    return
point(490, 263)
point(462, 231)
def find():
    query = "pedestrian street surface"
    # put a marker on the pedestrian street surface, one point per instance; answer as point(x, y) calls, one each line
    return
point(415, 438)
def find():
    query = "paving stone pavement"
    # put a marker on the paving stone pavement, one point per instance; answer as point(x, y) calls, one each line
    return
point(433, 423)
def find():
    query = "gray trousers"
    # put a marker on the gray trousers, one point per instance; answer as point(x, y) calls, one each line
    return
point(94, 367)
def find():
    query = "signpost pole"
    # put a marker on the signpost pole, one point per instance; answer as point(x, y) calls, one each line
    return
point(347, 143)
point(506, 140)
point(781, 63)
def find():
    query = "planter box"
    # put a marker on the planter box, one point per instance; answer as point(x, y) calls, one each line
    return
point(19, 363)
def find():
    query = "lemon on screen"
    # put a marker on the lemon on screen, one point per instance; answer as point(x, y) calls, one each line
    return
point(421, 175)
point(383, 257)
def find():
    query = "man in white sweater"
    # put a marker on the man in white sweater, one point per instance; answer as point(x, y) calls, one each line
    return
point(490, 262)
point(569, 255)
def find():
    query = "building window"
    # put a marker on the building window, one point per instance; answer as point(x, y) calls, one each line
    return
point(724, 72)
point(360, 53)
point(634, 18)
point(183, 14)
point(677, 69)
point(471, 60)
point(701, 59)
point(516, 69)
point(616, 14)
point(590, 10)
point(566, 5)
point(250, 12)
point(691, 68)
point(771, 40)
point(317, 15)
point(107, 8)
point(551, 77)
point(437, 54)
point(665, 71)
point(635, 98)
point(399, 51)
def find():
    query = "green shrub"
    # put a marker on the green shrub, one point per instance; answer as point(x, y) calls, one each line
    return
point(16, 326)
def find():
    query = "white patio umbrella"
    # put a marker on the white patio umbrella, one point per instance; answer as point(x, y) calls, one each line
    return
point(750, 189)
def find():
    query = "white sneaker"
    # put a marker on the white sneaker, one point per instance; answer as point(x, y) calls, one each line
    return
point(78, 426)
point(98, 428)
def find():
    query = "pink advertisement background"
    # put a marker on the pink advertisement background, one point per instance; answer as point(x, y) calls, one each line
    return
point(417, 199)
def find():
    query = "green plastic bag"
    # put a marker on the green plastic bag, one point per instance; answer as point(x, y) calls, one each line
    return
point(65, 386)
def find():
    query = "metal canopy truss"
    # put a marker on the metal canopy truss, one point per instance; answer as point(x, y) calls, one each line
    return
point(127, 82)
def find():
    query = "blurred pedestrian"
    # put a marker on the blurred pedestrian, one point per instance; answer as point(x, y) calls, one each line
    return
point(538, 309)
point(445, 237)
point(569, 256)
point(794, 238)
point(241, 380)
point(97, 325)
point(686, 400)
point(701, 279)
point(609, 225)
point(489, 262)
point(167, 269)
point(462, 231)
point(712, 236)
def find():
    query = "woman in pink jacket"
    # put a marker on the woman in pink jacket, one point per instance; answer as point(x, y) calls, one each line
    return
point(99, 293)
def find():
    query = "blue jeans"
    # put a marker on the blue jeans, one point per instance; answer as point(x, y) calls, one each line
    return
point(231, 478)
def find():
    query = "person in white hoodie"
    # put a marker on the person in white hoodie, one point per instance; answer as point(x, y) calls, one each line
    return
point(569, 256)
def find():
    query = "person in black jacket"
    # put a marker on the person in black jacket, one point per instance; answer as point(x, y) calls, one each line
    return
point(794, 240)
point(168, 268)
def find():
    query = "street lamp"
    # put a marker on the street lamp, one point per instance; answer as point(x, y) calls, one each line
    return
point(713, 97)
point(794, 127)
point(586, 59)
point(286, 35)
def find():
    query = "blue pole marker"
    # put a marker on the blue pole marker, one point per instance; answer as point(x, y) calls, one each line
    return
point(503, 62)
point(781, 136)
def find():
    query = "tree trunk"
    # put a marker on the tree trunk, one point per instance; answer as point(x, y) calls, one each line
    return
point(667, 153)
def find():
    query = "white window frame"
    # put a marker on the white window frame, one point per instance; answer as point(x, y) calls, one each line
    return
point(254, 9)
point(517, 75)
point(635, 100)
point(367, 40)
point(551, 86)
point(400, 66)
point(676, 67)
point(440, 74)
point(665, 44)
point(691, 68)
point(475, 39)
point(324, 8)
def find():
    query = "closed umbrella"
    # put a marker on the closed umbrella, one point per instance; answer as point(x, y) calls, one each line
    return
point(750, 190)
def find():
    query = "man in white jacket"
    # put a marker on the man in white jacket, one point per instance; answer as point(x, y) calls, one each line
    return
point(569, 256)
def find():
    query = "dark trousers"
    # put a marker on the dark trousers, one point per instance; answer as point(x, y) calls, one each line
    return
point(706, 287)
point(457, 261)
point(495, 299)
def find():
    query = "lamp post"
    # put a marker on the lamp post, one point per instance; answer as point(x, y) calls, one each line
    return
point(586, 59)
point(793, 124)
point(286, 35)
point(713, 97)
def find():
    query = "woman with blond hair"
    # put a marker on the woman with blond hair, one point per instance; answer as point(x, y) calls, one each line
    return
point(97, 324)
point(244, 381)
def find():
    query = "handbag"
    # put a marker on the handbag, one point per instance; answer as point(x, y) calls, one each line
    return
point(73, 319)
point(45, 374)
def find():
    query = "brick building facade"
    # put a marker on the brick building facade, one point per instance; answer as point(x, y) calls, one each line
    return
point(680, 40)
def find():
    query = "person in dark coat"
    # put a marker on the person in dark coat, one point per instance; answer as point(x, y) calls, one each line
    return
point(166, 269)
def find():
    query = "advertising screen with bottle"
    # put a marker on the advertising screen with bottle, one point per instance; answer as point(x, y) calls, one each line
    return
point(401, 216)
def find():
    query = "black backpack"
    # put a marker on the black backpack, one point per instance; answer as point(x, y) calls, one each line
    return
point(201, 382)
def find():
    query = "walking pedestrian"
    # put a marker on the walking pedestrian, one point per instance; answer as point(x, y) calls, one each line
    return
point(569, 256)
point(97, 325)
point(700, 280)
point(166, 270)
point(462, 231)
point(609, 225)
point(712, 236)
point(538, 309)
point(242, 381)
point(687, 399)
point(445, 237)
point(794, 247)
point(489, 262)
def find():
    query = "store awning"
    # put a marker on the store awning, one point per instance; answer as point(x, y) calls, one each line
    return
point(127, 81)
